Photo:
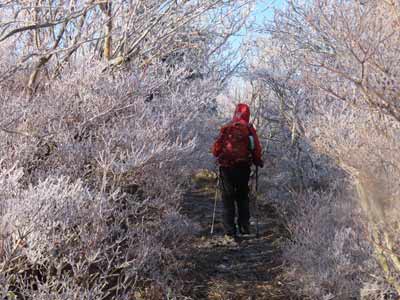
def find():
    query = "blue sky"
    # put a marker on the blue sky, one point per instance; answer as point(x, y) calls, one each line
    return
point(264, 12)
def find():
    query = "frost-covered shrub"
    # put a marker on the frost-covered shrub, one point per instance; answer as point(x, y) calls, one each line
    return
point(93, 174)
point(92, 184)
point(367, 149)
point(100, 126)
point(327, 254)
point(333, 83)
point(59, 238)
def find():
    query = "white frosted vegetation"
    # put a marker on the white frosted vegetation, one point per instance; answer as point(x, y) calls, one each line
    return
point(105, 110)
point(327, 73)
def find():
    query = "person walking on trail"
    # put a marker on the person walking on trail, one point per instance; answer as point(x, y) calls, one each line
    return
point(236, 149)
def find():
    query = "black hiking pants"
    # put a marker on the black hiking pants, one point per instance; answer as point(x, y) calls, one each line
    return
point(235, 188)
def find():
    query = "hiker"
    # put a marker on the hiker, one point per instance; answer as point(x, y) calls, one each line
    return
point(237, 148)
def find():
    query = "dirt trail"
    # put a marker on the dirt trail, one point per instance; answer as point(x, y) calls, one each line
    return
point(217, 269)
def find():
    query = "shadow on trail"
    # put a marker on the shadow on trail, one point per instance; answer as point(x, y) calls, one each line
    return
point(217, 268)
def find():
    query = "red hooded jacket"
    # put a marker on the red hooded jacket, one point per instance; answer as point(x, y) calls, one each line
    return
point(242, 115)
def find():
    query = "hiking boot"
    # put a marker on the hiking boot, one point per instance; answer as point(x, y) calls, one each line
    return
point(244, 229)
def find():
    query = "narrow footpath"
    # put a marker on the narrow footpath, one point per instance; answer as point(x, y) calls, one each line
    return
point(220, 269)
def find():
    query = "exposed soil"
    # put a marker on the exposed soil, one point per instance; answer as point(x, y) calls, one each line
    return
point(218, 268)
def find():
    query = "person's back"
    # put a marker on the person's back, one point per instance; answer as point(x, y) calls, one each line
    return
point(236, 149)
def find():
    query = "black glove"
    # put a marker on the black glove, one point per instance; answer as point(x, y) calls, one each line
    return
point(260, 164)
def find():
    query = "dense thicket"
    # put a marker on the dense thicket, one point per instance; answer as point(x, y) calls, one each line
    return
point(327, 74)
point(104, 108)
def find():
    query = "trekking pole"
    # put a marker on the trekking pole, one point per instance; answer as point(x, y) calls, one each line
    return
point(215, 204)
point(256, 203)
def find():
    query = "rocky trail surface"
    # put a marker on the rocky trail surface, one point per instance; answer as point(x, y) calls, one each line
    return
point(219, 268)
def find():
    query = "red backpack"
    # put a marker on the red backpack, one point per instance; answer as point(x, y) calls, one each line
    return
point(235, 145)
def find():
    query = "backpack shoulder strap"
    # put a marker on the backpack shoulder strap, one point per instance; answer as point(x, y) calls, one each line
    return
point(252, 138)
point(251, 128)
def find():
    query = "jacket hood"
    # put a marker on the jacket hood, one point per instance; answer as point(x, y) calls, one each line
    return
point(242, 113)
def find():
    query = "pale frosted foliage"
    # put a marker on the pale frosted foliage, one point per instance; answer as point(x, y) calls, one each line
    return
point(61, 231)
point(99, 126)
point(141, 33)
point(105, 110)
point(27, 217)
point(343, 206)
point(328, 255)
point(347, 50)
point(64, 214)
point(366, 146)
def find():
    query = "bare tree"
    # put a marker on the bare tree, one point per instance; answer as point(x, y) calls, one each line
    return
point(136, 32)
